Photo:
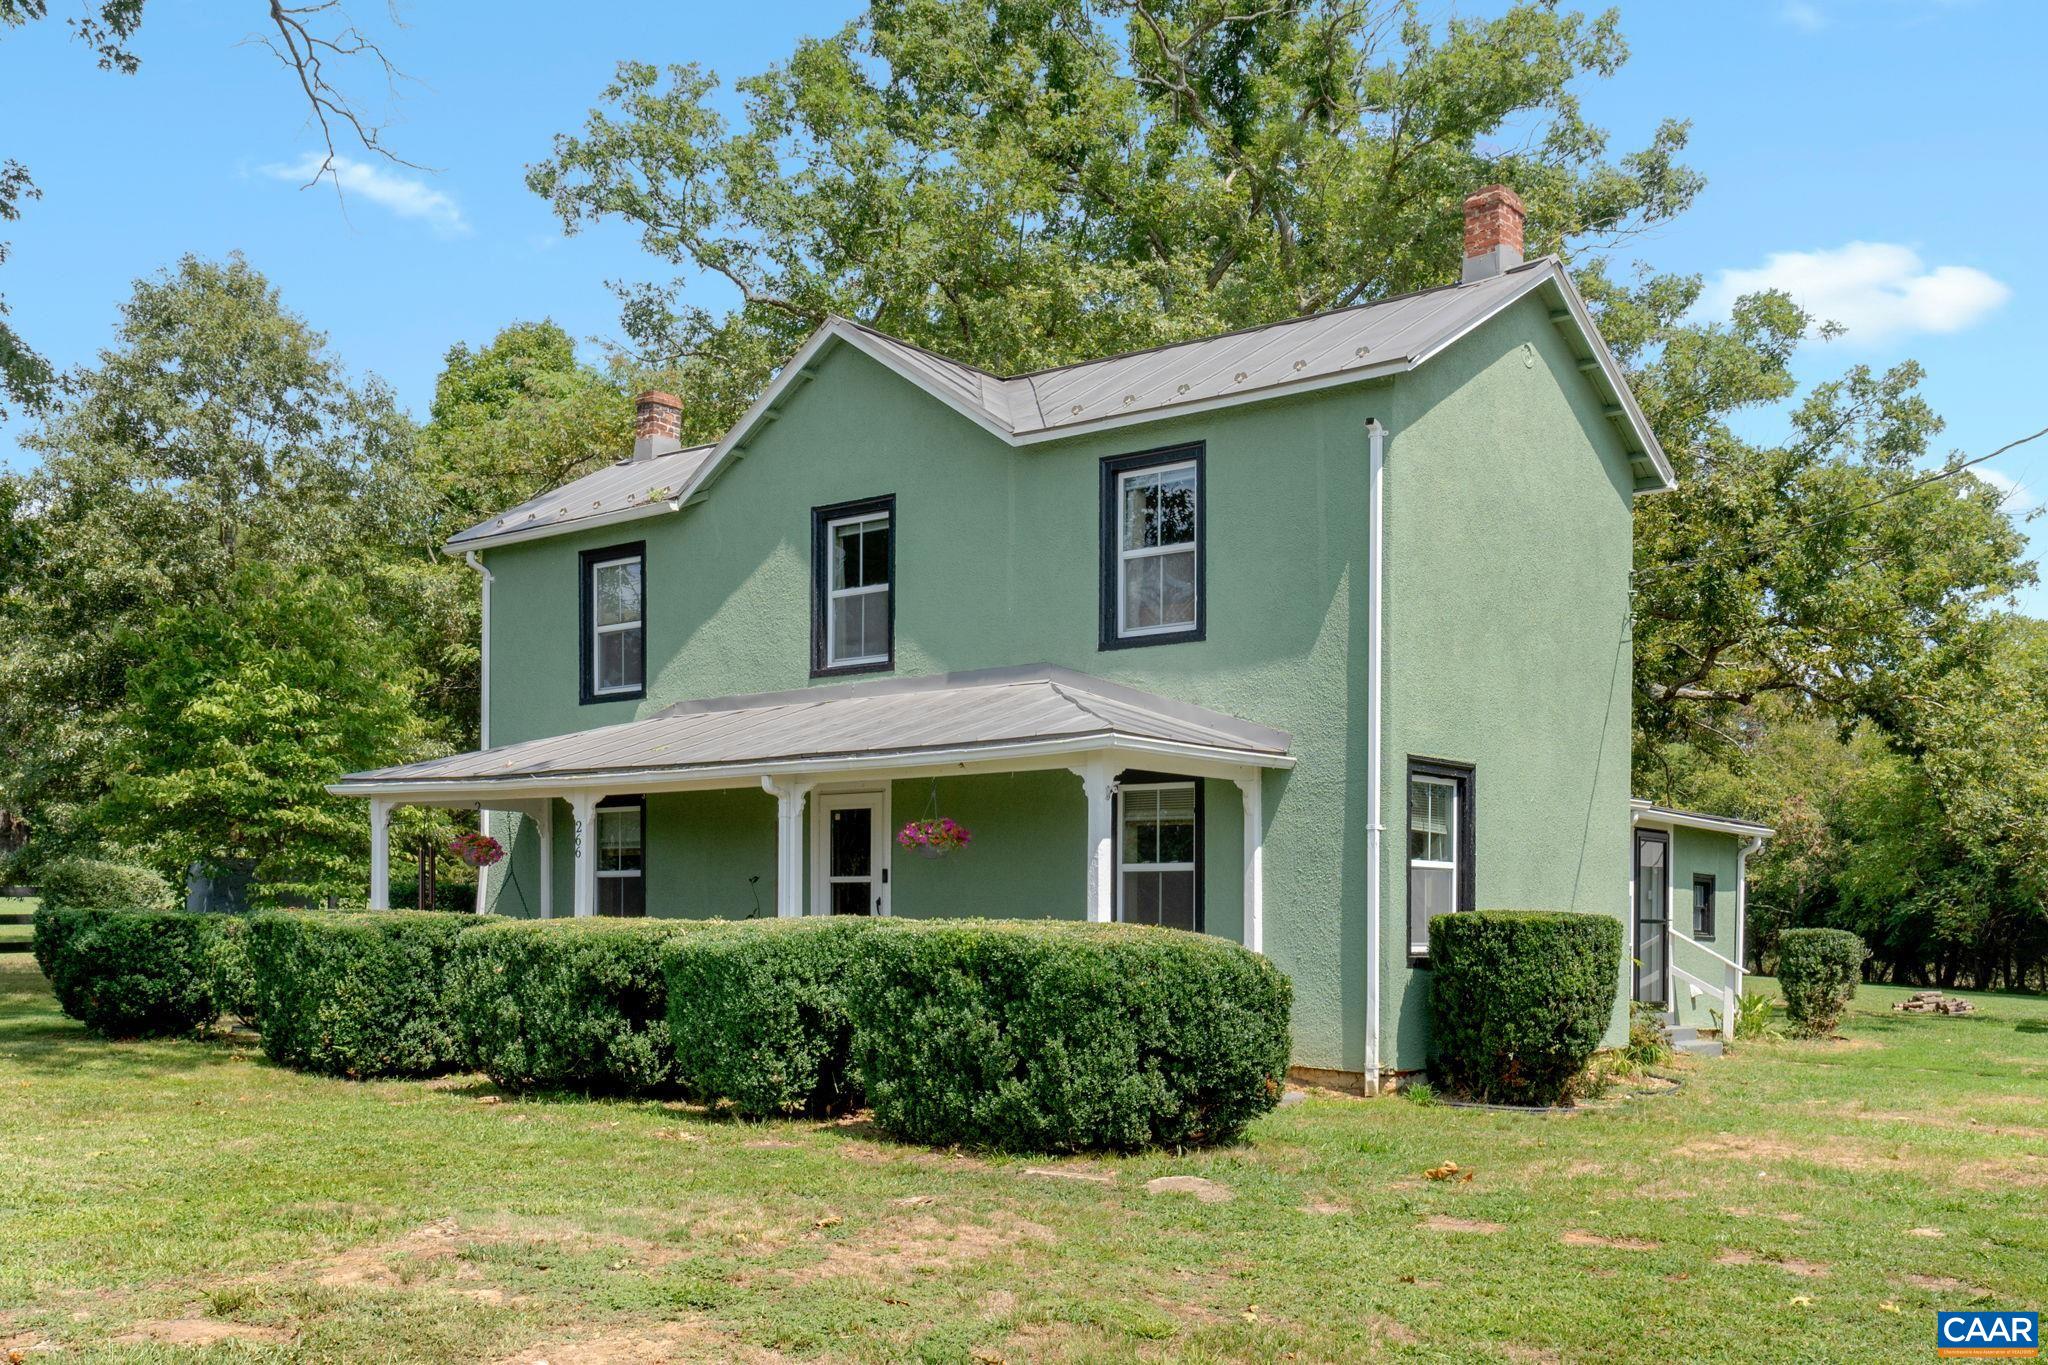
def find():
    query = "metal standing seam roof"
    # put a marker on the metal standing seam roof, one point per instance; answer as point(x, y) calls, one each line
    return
point(1725, 824)
point(1366, 341)
point(951, 714)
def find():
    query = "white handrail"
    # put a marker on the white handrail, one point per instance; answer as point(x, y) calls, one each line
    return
point(1739, 969)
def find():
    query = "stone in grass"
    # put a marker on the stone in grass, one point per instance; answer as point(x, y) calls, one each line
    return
point(1208, 1191)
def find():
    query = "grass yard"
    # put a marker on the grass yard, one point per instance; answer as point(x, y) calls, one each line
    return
point(187, 1200)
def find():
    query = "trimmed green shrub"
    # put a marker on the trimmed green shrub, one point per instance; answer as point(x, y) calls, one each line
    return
point(234, 977)
point(1520, 999)
point(1065, 1037)
point(1818, 970)
point(131, 973)
point(578, 1004)
point(357, 995)
point(93, 884)
point(758, 1013)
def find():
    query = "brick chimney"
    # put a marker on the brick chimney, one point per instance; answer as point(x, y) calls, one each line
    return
point(1493, 233)
point(657, 424)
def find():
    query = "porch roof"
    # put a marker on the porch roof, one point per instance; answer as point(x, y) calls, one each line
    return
point(1648, 812)
point(996, 719)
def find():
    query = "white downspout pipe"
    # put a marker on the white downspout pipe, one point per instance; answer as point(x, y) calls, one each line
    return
point(1375, 596)
point(483, 716)
point(1749, 846)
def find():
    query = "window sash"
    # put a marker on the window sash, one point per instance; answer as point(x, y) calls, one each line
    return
point(1159, 804)
point(1128, 554)
point(1703, 906)
point(599, 686)
point(859, 525)
point(1449, 830)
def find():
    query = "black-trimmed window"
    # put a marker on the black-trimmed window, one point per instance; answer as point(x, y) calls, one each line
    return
point(1702, 905)
point(614, 623)
point(853, 587)
point(1440, 878)
point(1154, 559)
point(622, 857)
point(1159, 850)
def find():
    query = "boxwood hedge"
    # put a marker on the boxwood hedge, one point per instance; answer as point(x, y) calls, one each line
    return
point(137, 973)
point(758, 1013)
point(1065, 1037)
point(357, 995)
point(1520, 999)
point(567, 1004)
point(96, 884)
point(1818, 970)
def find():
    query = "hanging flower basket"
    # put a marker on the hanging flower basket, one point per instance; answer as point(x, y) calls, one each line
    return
point(478, 850)
point(934, 838)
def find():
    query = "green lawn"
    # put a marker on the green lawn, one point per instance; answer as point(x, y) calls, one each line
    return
point(1797, 1202)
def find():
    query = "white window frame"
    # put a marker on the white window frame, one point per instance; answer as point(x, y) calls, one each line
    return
point(1192, 866)
point(638, 810)
point(1125, 554)
point(598, 630)
point(834, 595)
point(1431, 864)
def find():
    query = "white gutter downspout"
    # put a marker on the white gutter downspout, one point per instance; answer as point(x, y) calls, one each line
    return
point(1749, 846)
point(1375, 595)
point(483, 713)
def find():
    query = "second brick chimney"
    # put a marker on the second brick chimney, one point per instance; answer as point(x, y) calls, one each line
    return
point(1493, 233)
point(657, 424)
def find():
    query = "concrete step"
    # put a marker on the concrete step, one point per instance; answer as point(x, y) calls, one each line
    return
point(1698, 1047)
point(1681, 1035)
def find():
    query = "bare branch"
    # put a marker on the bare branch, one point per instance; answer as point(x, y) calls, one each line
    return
point(306, 53)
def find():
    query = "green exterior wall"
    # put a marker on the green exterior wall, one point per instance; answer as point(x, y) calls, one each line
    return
point(1718, 855)
point(1508, 553)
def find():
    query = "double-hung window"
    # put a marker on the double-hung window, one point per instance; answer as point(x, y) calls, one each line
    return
point(1159, 840)
point(853, 558)
point(1702, 906)
point(622, 857)
point(1439, 846)
point(614, 624)
point(1152, 548)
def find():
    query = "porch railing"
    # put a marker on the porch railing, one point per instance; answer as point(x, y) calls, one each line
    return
point(1728, 990)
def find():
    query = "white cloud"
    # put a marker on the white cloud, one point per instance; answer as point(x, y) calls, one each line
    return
point(1802, 16)
point(1877, 290)
point(2019, 499)
point(405, 195)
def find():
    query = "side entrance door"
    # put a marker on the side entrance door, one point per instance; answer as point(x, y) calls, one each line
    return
point(1653, 916)
point(850, 854)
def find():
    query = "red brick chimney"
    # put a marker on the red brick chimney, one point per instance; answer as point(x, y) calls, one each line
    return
point(657, 424)
point(1493, 233)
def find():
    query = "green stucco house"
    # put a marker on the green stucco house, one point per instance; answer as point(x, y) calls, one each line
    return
point(1298, 636)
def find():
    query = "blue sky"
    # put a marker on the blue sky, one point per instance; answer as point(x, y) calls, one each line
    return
point(1878, 157)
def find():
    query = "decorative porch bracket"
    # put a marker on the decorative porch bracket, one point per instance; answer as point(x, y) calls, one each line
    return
point(789, 796)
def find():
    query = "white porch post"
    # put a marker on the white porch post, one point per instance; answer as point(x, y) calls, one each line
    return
point(1097, 785)
point(789, 844)
point(483, 882)
point(1251, 787)
point(544, 826)
point(583, 806)
point(380, 852)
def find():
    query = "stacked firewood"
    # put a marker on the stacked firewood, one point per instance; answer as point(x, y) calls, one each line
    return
point(1933, 1002)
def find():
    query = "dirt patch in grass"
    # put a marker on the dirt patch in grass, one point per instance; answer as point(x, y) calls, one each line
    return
point(922, 1244)
point(1207, 1191)
point(199, 1332)
point(1791, 1265)
point(1444, 1222)
point(1325, 1207)
point(1944, 1284)
point(1579, 1237)
point(649, 1344)
point(444, 1241)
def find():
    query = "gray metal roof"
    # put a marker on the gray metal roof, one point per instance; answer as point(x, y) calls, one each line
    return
point(1726, 824)
point(629, 485)
point(895, 720)
point(1368, 341)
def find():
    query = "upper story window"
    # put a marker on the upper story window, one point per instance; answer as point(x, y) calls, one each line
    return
point(1153, 561)
point(1702, 905)
point(614, 623)
point(1439, 846)
point(853, 597)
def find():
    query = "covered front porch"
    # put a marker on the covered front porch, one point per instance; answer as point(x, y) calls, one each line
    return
point(1085, 799)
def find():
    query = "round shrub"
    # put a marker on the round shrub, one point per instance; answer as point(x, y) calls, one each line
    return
point(357, 995)
point(1818, 970)
point(567, 1004)
point(758, 1013)
point(93, 884)
point(1520, 999)
point(1066, 1037)
point(131, 973)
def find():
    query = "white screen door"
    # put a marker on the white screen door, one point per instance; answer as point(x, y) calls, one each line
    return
point(850, 854)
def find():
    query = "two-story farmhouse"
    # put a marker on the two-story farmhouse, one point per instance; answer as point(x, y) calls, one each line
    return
point(1299, 635)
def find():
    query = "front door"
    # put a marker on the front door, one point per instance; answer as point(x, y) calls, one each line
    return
point(1653, 916)
point(850, 858)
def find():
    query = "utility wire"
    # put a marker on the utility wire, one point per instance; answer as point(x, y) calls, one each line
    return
point(1945, 472)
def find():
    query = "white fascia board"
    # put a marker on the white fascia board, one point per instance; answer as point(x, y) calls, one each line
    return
point(545, 530)
point(1201, 760)
point(1645, 816)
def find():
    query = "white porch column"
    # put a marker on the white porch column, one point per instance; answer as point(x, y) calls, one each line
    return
point(483, 882)
point(380, 852)
point(583, 807)
point(789, 843)
point(1097, 786)
point(544, 826)
point(1252, 788)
